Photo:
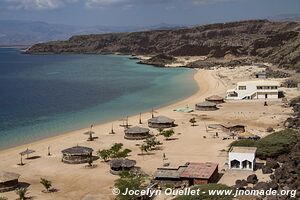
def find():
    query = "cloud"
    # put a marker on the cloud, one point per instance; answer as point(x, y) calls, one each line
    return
point(111, 3)
point(37, 4)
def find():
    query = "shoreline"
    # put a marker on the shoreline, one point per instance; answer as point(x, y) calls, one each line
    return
point(109, 122)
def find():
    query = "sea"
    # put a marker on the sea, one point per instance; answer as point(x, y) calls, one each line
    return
point(47, 95)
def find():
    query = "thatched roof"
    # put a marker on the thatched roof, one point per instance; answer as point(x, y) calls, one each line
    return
point(214, 98)
point(161, 120)
point(206, 104)
point(27, 152)
point(78, 150)
point(126, 163)
point(8, 176)
point(137, 130)
point(230, 125)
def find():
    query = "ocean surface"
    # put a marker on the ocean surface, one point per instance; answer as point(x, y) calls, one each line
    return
point(47, 95)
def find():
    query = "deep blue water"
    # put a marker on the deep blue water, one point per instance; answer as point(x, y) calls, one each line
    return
point(45, 95)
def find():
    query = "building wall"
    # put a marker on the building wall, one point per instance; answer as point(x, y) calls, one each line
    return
point(254, 93)
point(241, 157)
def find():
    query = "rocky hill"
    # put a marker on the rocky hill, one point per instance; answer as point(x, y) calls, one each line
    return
point(276, 42)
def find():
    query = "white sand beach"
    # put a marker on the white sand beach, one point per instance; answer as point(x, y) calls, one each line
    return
point(78, 182)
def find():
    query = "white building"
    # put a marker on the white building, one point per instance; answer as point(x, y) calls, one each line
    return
point(242, 158)
point(258, 89)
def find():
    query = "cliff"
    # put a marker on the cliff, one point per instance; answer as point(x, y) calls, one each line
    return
point(276, 42)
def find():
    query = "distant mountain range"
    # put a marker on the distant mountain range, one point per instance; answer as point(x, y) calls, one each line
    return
point(18, 32)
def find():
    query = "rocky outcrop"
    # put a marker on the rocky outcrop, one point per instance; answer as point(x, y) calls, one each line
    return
point(275, 42)
point(159, 60)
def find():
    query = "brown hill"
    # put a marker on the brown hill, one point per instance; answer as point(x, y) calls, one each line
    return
point(276, 42)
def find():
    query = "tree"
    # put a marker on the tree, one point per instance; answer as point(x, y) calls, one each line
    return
point(144, 148)
point(160, 130)
point(46, 183)
point(104, 154)
point(122, 154)
point(193, 121)
point(21, 192)
point(131, 182)
point(152, 142)
point(116, 147)
point(168, 133)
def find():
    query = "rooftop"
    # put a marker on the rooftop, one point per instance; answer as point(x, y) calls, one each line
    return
point(77, 150)
point(260, 82)
point(243, 149)
point(206, 104)
point(137, 129)
point(173, 173)
point(116, 163)
point(161, 119)
point(199, 170)
point(214, 98)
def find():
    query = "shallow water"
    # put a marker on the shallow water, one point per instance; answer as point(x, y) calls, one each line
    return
point(44, 95)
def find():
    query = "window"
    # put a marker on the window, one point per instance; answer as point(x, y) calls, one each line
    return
point(259, 87)
point(242, 87)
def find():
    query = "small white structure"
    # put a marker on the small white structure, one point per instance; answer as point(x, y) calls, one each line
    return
point(262, 75)
point(242, 158)
point(259, 89)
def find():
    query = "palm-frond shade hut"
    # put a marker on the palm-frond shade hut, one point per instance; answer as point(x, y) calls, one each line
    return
point(206, 106)
point(27, 152)
point(118, 166)
point(8, 181)
point(137, 133)
point(161, 122)
point(215, 99)
point(233, 128)
point(77, 155)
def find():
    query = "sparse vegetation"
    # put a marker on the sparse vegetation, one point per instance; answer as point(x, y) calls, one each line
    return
point(206, 196)
point(21, 192)
point(114, 152)
point(130, 181)
point(272, 145)
point(193, 121)
point(168, 133)
point(46, 183)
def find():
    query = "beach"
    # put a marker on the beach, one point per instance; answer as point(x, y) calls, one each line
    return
point(191, 143)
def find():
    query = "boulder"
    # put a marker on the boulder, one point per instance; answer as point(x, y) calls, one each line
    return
point(240, 184)
point(267, 170)
point(261, 186)
point(273, 164)
point(252, 179)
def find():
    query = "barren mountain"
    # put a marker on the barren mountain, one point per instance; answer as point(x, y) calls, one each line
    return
point(276, 42)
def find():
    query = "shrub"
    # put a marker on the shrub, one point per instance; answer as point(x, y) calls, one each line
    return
point(271, 146)
point(114, 152)
point(21, 192)
point(168, 133)
point(46, 183)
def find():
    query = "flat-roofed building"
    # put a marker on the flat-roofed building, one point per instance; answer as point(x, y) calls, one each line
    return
point(259, 89)
point(242, 158)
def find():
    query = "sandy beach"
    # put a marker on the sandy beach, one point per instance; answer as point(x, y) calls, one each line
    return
point(79, 182)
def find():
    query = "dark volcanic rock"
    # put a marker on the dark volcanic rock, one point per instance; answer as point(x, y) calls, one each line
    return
point(252, 179)
point(261, 186)
point(290, 83)
point(266, 170)
point(276, 73)
point(240, 184)
point(276, 42)
point(159, 60)
point(271, 163)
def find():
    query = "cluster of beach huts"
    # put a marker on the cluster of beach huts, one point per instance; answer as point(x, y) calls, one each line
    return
point(241, 158)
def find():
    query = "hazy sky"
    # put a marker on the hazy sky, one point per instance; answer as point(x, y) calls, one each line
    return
point(144, 12)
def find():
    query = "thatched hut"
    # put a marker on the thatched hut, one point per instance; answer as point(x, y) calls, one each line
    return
point(233, 128)
point(206, 106)
point(161, 122)
point(137, 133)
point(77, 155)
point(120, 165)
point(8, 181)
point(215, 99)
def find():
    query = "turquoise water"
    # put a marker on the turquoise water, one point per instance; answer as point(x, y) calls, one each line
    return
point(46, 95)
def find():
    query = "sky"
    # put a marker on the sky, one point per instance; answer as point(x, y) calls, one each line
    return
point(145, 12)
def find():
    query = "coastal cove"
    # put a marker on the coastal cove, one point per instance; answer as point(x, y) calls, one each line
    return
point(48, 95)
